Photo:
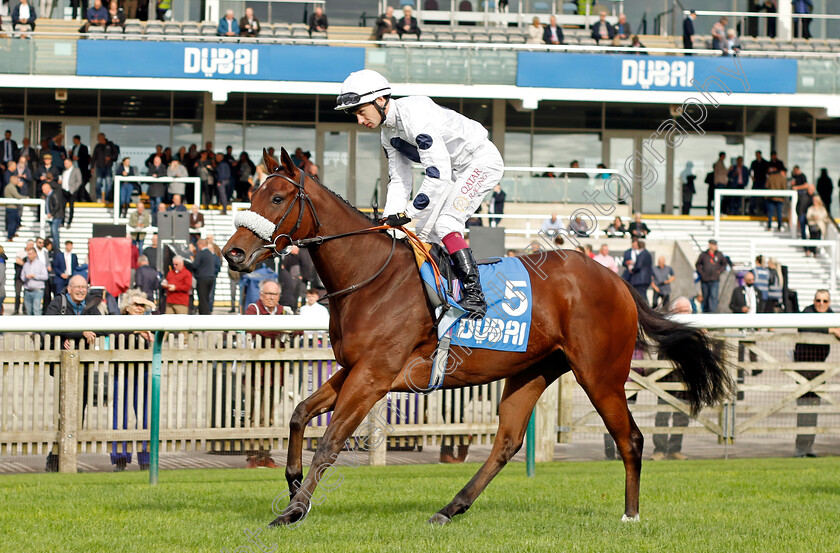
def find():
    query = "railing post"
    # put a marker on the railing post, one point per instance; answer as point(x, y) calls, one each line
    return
point(154, 424)
point(564, 408)
point(546, 415)
point(530, 446)
point(377, 441)
point(68, 404)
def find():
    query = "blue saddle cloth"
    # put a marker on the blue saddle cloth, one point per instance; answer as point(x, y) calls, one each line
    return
point(507, 325)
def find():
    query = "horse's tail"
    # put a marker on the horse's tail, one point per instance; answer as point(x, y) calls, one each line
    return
point(698, 360)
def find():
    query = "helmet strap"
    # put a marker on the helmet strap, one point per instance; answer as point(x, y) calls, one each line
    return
point(381, 109)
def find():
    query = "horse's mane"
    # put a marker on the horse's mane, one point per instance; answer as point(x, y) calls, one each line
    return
point(337, 195)
point(334, 193)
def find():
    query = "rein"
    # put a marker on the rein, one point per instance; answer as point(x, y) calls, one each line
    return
point(259, 225)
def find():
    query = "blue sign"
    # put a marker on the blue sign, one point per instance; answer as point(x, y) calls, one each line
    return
point(671, 73)
point(507, 324)
point(193, 60)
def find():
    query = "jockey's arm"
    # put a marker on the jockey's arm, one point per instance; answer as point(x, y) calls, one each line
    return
point(399, 187)
point(437, 170)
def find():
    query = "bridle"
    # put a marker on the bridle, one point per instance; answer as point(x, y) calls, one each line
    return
point(258, 224)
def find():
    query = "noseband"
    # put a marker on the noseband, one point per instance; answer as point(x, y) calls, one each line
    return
point(262, 227)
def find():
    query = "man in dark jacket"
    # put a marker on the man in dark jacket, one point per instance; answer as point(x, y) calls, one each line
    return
point(55, 210)
point(408, 23)
point(146, 278)
point(204, 267)
point(639, 268)
point(318, 21)
point(812, 353)
point(688, 31)
point(709, 266)
point(602, 30)
point(157, 189)
point(103, 157)
point(75, 301)
point(746, 299)
point(553, 34)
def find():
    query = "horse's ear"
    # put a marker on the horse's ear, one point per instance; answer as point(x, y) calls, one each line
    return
point(270, 162)
point(287, 163)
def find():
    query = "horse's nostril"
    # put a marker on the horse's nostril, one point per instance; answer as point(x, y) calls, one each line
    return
point(236, 254)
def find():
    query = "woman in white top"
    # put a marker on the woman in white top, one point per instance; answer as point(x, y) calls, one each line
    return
point(535, 32)
point(817, 217)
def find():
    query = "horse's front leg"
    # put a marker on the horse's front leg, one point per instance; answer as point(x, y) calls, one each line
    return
point(359, 393)
point(320, 402)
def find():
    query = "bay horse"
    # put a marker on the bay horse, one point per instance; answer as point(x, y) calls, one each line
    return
point(586, 320)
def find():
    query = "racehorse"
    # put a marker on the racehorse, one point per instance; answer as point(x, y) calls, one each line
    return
point(586, 320)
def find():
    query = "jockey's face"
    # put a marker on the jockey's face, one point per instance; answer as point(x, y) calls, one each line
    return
point(368, 116)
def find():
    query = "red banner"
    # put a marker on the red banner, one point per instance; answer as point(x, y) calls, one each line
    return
point(109, 264)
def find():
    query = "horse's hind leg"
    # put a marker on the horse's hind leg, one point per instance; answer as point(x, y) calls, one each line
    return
point(611, 403)
point(321, 401)
point(521, 394)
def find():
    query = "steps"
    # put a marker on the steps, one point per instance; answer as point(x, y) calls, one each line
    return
point(805, 274)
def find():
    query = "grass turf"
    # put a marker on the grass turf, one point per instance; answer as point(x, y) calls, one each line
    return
point(760, 505)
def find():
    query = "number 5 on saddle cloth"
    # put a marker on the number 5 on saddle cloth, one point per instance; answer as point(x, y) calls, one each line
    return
point(507, 324)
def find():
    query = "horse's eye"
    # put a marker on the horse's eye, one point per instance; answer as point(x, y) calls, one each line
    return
point(277, 199)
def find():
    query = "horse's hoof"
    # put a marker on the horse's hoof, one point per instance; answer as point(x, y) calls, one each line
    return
point(625, 518)
point(440, 519)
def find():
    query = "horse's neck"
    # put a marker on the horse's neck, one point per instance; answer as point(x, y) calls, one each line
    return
point(344, 262)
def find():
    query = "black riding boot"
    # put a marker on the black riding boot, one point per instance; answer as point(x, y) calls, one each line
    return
point(467, 272)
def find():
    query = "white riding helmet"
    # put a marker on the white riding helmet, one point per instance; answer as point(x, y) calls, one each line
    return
point(362, 87)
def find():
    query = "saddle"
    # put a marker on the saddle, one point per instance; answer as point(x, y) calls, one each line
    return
point(435, 266)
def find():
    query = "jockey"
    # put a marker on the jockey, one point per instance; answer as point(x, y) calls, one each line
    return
point(460, 164)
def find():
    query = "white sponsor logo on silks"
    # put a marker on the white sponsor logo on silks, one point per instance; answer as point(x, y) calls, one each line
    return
point(657, 73)
point(222, 61)
point(492, 331)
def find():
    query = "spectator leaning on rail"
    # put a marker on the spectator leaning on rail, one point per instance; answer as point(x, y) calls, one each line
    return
point(811, 353)
point(249, 25)
point(126, 188)
point(710, 264)
point(177, 284)
point(133, 302)
point(318, 21)
point(602, 30)
point(552, 34)
point(228, 26)
point(267, 304)
point(669, 446)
